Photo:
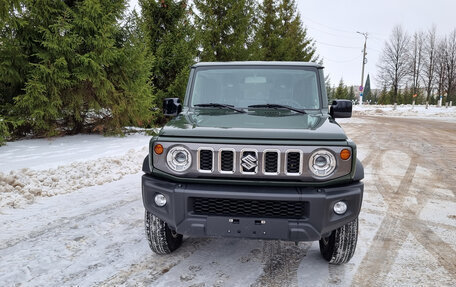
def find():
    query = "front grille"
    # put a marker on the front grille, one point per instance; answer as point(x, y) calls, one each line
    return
point(227, 161)
point(249, 208)
point(293, 162)
point(206, 160)
point(271, 161)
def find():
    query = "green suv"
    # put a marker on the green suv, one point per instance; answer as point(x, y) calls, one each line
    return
point(254, 152)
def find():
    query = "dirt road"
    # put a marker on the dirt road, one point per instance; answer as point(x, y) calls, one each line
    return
point(407, 228)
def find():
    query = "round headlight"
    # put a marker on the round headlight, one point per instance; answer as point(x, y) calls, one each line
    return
point(322, 163)
point(179, 158)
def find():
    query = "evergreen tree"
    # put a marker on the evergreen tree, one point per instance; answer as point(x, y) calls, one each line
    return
point(224, 29)
point(406, 95)
point(295, 45)
point(268, 35)
point(351, 93)
point(170, 37)
point(7, 8)
point(329, 89)
point(374, 97)
point(367, 94)
point(281, 35)
point(69, 66)
point(384, 97)
point(341, 91)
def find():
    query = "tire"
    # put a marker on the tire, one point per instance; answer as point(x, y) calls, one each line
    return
point(340, 245)
point(162, 239)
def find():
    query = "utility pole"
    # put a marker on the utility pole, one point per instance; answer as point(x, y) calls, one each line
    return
point(361, 87)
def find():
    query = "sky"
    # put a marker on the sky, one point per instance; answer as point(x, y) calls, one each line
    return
point(333, 25)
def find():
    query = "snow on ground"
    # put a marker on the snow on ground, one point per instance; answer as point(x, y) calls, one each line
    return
point(409, 111)
point(36, 168)
point(41, 154)
point(71, 214)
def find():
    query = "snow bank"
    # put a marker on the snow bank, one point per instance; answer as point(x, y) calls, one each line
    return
point(19, 187)
point(417, 111)
point(40, 154)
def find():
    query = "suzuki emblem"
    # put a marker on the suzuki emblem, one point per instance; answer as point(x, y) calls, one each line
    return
point(249, 162)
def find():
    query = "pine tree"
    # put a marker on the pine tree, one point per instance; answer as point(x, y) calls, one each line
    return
point(329, 89)
point(268, 35)
point(45, 48)
point(14, 64)
point(367, 94)
point(224, 29)
point(341, 91)
point(384, 97)
point(351, 93)
point(69, 66)
point(295, 44)
point(375, 97)
point(6, 9)
point(170, 37)
point(280, 34)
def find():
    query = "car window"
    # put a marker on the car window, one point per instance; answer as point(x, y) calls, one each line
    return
point(242, 87)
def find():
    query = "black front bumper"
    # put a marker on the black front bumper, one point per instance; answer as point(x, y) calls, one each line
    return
point(308, 211)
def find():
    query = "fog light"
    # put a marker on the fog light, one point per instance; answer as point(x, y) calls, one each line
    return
point(340, 207)
point(160, 200)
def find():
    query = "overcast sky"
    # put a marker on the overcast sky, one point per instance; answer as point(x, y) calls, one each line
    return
point(333, 25)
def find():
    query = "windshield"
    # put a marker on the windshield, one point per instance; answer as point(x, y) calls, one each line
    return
point(243, 87)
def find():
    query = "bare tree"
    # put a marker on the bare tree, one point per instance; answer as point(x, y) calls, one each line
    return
point(440, 66)
point(393, 66)
point(450, 59)
point(416, 60)
point(429, 64)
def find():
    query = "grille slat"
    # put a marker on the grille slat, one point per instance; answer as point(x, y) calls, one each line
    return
point(271, 160)
point(227, 161)
point(206, 160)
point(249, 208)
point(293, 162)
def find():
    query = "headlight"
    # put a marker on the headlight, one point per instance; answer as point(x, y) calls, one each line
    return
point(179, 158)
point(322, 163)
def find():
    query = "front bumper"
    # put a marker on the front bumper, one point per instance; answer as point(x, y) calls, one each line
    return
point(318, 218)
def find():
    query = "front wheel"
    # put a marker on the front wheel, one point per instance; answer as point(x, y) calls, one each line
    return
point(340, 245)
point(162, 239)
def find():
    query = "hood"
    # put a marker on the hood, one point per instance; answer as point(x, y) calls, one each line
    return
point(271, 124)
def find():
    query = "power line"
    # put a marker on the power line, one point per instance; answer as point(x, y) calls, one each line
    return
point(375, 35)
point(329, 27)
point(338, 46)
point(326, 32)
point(341, 61)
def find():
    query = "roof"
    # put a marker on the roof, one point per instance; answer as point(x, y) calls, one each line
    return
point(258, 63)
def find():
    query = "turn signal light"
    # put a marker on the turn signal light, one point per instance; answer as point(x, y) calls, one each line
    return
point(158, 149)
point(345, 154)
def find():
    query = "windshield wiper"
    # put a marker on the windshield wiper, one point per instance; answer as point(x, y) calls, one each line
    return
point(275, 106)
point(215, 105)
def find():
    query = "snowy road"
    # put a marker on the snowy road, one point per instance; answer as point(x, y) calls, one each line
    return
point(93, 235)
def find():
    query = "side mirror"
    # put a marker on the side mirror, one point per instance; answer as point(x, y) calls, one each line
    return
point(172, 107)
point(341, 109)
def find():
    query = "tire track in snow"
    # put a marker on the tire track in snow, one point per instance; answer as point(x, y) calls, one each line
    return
point(153, 266)
point(389, 238)
point(442, 251)
point(281, 261)
point(81, 252)
point(101, 237)
point(400, 221)
point(62, 223)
